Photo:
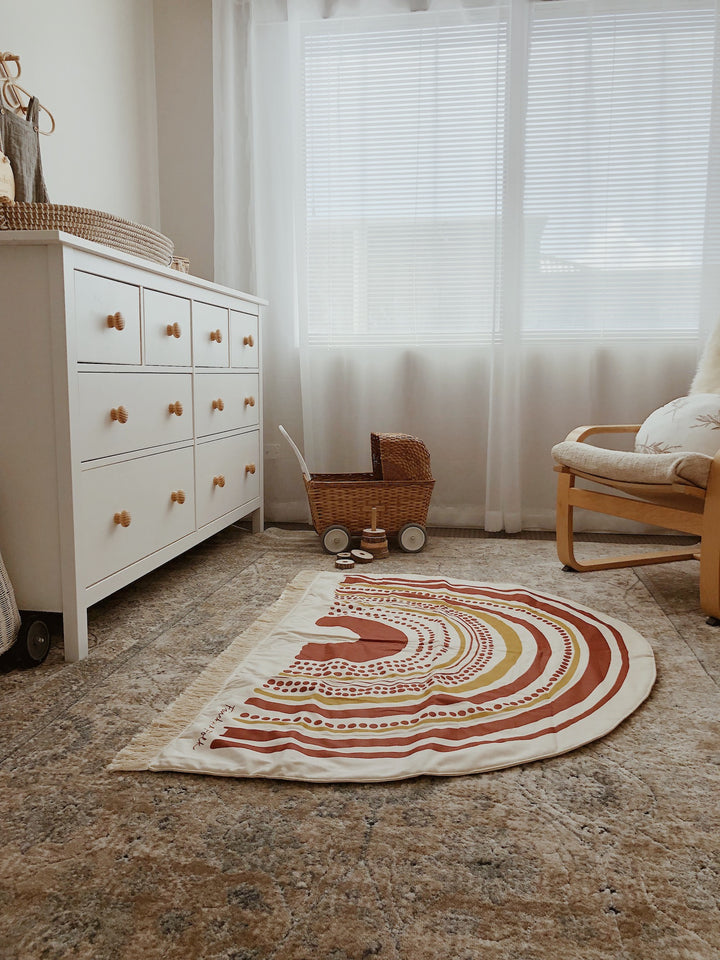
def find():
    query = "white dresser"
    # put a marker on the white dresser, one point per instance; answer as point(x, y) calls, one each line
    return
point(130, 419)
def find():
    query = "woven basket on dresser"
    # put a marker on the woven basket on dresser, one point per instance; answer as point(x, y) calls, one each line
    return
point(401, 485)
point(124, 235)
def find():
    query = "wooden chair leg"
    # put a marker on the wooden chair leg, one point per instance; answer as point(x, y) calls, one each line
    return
point(710, 552)
point(710, 572)
point(564, 522)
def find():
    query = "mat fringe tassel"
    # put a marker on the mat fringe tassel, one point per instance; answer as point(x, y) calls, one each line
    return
point(142, 749)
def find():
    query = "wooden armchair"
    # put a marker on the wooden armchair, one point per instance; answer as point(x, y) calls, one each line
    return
point(674, 491)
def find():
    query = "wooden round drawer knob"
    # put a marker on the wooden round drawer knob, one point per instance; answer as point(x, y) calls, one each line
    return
point(122, 519)
point(249, 401)
point(119, 414)
point(178, 496)
point(249, 468)
point(248, 341)
point(219, 481)
point(176, 408)
point(218, 404)
point(116, 321)
point(216, 335)
point(173, 330)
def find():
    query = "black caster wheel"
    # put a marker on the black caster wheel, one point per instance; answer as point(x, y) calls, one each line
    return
point(712, 621)
point(412, 538)
point(336, 539)
point(33, 641)
point(568, 569)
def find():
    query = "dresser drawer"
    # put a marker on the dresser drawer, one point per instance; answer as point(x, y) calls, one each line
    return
point(225, 402)
point(120, 412)
point(210, 335)
point(227, 475)
point(244, 347)
point(167, 329)
point(128, 510)
point(107, 314)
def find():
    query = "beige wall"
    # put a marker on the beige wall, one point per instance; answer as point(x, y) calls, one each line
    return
point(129, 83)
point(183, 62)
point(92, 63)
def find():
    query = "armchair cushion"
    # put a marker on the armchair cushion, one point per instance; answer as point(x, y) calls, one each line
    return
point(631, 467)
point(686, 424)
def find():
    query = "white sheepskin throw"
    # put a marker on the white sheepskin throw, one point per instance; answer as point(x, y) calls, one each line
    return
point(687, 424)
point(707, 377)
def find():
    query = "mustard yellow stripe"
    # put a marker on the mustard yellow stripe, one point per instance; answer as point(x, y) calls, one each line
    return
point(436, 688)
point(513, 646)
point(557, 687)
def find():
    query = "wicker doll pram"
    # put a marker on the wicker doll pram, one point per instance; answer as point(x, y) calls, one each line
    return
point(399, 487)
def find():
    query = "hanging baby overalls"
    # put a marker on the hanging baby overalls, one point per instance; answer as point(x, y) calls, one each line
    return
point(20, 142)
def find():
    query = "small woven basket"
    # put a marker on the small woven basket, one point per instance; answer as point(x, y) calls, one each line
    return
point(401, 485)
point(105, 228)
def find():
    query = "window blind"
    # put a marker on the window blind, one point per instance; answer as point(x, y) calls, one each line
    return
point(403, 150)
point(405, 123)
point(617, 140)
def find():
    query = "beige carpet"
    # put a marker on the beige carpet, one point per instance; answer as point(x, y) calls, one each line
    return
point(611, 851)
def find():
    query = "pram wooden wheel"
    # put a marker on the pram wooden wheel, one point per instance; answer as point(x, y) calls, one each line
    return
point(33, 641)
point(412, 538)
point(336, 539)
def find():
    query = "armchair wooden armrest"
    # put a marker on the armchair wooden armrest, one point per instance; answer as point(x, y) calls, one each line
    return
point(580, 433)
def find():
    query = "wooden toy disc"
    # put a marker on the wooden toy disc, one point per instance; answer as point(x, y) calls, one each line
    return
point(344, 564)
point(362, 556)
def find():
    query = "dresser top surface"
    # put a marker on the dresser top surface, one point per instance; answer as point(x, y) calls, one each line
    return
point(47, 238)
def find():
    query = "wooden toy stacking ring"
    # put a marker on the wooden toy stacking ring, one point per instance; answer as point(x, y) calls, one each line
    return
point(361, 556)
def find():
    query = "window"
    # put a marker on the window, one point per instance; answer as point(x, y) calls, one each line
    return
point(406, 122)
point(617, 141)
point(403, 172)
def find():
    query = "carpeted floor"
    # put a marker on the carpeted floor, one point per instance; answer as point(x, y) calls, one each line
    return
point(612, 851)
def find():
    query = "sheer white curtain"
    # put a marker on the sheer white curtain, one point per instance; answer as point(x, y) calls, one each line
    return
point(480, 223)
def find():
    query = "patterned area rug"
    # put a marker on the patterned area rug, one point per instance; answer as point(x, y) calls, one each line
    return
point(365, 678)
